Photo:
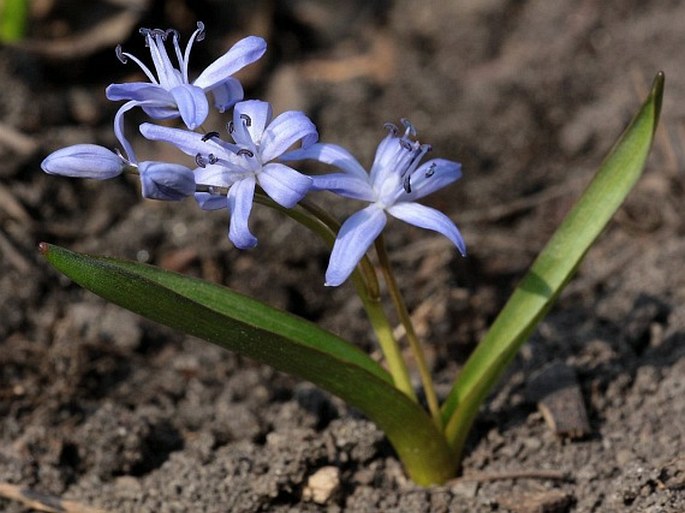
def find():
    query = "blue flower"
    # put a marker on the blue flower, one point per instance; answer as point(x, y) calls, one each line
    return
point(231, 171)
point(170, 93)
point(159, 180)
point(397, 179)
point(85, 161)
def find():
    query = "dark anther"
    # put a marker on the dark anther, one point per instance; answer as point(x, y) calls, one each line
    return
point(172, 32)
point(230, 127)
point(212, 158)
point(392, 128)
point(200, 160)
point(246, 118)
point(406, 183)
point(430, 171)
point(245, 152)
point(209, 135)
point(200, 35)
point(409, 127)
point(120, 54)
point(406, 144)
point(144, 31)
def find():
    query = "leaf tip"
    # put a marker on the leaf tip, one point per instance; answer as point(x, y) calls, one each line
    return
point(658, 93)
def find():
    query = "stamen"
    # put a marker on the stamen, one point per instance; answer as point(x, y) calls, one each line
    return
point(430, 171)
point(120, 54)
point(391, 128)
point(200, 161)
point(173, 32)
point(406, 144)
point(159, 33)
point(209, 135)
point(147, 33)
point(406, 183)
point(247, 119)
point(212, 158)
point(201, 31)
point(229, 127)
point(245, 152)
point(409, 128)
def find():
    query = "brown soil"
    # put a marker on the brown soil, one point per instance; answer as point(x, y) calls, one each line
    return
point(107, 409)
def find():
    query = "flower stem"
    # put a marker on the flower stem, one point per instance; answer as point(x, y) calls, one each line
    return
point(365, 282)
point(405, 319)
point(391, 350)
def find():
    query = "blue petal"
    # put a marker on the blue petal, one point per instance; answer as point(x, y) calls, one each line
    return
point(286, 130)
point(430, 219)
point(164, 181)
point(84, 161)
point(161, 112)
point(344, 185)
point(431, 176)
point(214, 175)
point(140, 91)
point(190, 143)
point(329, 154)
point(244, 52)
point(192, 104)
point(250, 116)
point(353, 241)
point(240, 197)
point(209, 201)
point(283, 184)
point(391, 158)
point(227, 93)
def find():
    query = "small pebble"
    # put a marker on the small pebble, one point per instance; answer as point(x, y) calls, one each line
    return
point(322, 485)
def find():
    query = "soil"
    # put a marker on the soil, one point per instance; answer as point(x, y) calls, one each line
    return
point(106, 409)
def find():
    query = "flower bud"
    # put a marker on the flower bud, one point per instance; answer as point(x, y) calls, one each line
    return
point(84, 161)
point(164, 181)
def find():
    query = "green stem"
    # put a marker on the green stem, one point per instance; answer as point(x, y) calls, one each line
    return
point(391, 350)
point(365, 283)
point(405, 319)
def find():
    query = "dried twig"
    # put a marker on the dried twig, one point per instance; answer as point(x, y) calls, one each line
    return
point(482, 477)
point(44, 502)
point(103, 35)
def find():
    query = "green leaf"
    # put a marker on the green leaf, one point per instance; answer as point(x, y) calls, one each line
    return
point(13, 14)
point(552, 269)
point(285, 342)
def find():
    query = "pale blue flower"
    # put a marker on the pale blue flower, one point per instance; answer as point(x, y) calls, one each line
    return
point(231, 171)
point(170, 93)
point(85, 161)
point(159, 180)
point(397, 179)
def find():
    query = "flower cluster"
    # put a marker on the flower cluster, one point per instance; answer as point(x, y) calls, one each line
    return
point(256, 152)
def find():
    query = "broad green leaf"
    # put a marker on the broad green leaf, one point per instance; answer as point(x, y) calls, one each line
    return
point(285, 342)
point(552, 269)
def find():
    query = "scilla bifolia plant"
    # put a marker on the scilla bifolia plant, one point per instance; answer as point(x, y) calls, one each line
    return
point(253, 161)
